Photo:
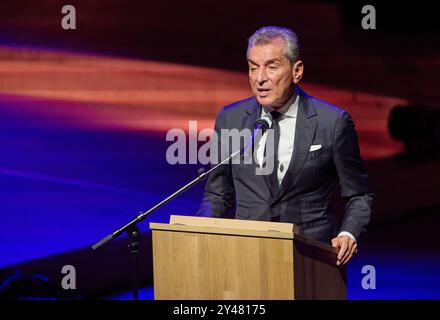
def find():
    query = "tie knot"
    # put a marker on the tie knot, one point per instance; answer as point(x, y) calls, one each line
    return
point(276, 115)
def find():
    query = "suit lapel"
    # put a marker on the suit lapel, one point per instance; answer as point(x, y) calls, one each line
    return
point(305, 129)
point(252, 113)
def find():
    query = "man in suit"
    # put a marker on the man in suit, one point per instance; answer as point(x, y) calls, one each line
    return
point(314, 143)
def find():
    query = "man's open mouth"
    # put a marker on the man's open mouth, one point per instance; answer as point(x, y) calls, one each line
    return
point(263, 92)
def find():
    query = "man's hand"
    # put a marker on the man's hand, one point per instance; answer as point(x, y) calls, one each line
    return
point(347, 248)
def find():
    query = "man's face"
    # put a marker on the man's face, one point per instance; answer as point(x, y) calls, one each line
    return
point(271, 74)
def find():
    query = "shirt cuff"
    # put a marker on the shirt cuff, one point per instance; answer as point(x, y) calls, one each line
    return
point(346, 233)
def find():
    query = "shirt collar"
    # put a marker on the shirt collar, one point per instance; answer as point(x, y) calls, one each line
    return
point(290, 108)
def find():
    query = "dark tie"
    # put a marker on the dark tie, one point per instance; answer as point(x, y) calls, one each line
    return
point(276, 117)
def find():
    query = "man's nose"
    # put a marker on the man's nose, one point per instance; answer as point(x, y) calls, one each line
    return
point(262, 76)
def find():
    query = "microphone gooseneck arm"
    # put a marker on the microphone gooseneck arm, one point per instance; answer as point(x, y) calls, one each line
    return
point(131, 227)
point(143, 214)
point(261, 125)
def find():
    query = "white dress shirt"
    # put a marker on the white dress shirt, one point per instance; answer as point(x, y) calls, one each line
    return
point(287, 135)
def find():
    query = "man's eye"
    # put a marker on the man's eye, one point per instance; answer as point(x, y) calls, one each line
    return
point(252, 68)
point(272, 67)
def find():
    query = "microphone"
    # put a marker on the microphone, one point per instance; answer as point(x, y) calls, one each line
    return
point(260, 127)
point(262, 124)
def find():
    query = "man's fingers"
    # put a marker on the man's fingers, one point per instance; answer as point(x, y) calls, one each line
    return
point(347, 248)
point(350, 253)
point(336, 243)
point(342, 251)
point(346, 259)
point(354, 249)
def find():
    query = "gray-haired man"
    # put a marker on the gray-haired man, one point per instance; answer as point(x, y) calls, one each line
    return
point(315, 143)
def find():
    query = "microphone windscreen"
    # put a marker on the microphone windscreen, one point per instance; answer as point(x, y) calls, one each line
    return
point(262, 123)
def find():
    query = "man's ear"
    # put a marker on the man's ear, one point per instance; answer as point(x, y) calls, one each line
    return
point(298, 71)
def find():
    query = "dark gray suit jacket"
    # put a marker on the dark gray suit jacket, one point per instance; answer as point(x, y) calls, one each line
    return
point(305, 196)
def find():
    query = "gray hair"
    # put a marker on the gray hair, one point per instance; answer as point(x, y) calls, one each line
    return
point(268, 34)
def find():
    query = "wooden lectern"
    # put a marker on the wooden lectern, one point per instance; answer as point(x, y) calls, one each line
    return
point(214, 259)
